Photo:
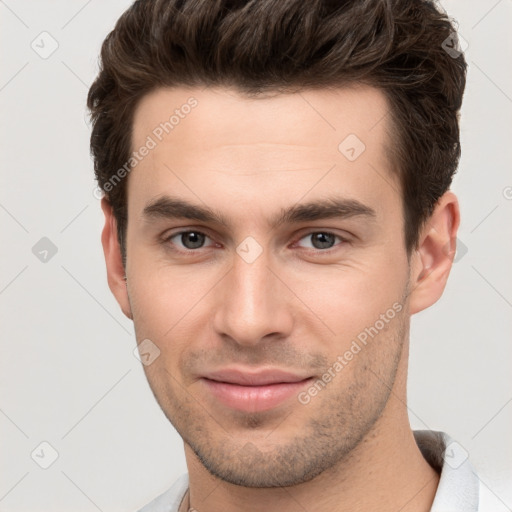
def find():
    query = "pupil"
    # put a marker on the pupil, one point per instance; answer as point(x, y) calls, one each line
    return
point(196, 239)
point(323, 240)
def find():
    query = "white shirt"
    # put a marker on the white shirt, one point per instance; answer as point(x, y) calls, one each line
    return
point(458, 489)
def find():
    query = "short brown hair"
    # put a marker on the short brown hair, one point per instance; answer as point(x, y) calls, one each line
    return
point(261, 46)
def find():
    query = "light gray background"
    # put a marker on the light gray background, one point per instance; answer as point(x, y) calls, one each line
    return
point(68, 373)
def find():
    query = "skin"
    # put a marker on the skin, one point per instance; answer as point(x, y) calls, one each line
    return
point(295, 307)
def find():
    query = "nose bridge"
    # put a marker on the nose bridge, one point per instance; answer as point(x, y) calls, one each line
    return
point(251, 304)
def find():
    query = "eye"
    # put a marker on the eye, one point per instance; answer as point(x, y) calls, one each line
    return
point(189, 240)
point(322, 240)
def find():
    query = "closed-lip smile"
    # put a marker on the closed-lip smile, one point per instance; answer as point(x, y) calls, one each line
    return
point(253, 391)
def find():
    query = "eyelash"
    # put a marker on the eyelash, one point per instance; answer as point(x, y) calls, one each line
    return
point(167, 243)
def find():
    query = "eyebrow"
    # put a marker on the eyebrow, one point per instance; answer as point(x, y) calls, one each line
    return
point(167, 207)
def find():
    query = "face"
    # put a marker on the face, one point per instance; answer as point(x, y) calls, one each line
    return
point(294, 263)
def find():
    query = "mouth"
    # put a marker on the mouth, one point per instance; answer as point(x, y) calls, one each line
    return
point(254, 392)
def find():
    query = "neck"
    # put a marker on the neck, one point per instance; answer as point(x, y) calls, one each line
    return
point(385, 472)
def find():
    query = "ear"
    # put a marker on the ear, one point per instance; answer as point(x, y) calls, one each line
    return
point(113, 259)
point(432, 260)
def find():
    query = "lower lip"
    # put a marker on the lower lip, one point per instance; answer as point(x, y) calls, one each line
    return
point(254, 398)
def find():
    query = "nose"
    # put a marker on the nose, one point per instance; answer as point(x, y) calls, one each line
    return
point(252, 303)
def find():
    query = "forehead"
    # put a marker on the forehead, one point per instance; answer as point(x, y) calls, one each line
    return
point(227, 116)
point(222, 147)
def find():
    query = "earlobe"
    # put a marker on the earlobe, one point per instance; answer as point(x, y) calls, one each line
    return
point(112, 251)
point(434, 256)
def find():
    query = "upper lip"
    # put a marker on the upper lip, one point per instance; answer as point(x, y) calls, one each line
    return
point(252, 378)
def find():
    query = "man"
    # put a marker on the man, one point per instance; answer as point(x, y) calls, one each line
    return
point(277, 205)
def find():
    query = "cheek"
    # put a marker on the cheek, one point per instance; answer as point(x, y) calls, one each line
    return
point(158, 289)
point(350, 298)
point(169, 304)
